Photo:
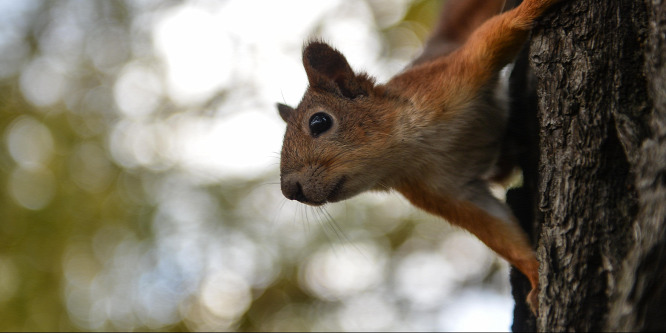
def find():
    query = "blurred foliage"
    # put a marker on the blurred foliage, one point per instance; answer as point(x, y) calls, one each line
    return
point(99, 233)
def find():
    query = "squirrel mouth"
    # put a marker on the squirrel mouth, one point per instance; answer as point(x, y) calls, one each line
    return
point(334, 195)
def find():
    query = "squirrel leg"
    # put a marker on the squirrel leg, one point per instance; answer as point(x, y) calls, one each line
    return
point(507, 238)
point(489, 220)
point(450, 82)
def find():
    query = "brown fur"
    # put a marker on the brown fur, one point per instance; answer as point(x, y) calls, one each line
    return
point(457, 21)
point(433, 132)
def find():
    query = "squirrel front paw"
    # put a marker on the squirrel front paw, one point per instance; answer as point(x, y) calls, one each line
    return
point(533, 300)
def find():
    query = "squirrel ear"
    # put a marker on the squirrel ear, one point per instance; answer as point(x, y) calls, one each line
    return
point(328, 69)
point(286, 111)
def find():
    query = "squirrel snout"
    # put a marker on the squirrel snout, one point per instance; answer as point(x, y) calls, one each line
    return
point(311, 192)
point(292, 189)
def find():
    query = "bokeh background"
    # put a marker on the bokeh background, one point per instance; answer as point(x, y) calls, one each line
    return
point(139, 185)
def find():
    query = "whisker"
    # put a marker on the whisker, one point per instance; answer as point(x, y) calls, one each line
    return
point(273, 223)
point(305, 220)
point(266, 183)
point(300, 217)
point(339, 231)
point(329, 221)
point(383, 186)
point(307, 217)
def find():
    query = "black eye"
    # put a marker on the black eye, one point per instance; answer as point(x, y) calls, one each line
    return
point(320, 123)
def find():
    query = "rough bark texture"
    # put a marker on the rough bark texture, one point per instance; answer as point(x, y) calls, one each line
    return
point(641, 294)
point(601, 183)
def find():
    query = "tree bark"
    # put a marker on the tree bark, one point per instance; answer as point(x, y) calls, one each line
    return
point(601, 180)
point(641, 294)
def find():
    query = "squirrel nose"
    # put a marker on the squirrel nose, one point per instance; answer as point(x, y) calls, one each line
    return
point(293, 190)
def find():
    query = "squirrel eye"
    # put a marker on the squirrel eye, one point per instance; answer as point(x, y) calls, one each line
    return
point(320, 123)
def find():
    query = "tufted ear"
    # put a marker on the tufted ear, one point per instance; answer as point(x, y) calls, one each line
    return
point(327, 69)
point(286, 112)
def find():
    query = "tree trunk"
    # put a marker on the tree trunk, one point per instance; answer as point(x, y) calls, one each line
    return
point(601, 180)
point(641, 293)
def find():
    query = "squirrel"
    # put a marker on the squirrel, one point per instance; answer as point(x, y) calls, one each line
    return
point(433, 132)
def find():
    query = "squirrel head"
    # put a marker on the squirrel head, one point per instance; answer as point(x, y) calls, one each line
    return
point(337, 138)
